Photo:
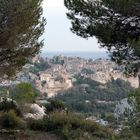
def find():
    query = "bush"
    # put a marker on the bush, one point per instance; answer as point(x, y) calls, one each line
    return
point(54, 105)
point(24, 93)
point(69, 126)
point(9, 120)
point(6, 106)
point(37, 125)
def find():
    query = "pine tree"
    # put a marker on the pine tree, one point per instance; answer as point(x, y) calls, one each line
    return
point(21, 25)
point(116, 25)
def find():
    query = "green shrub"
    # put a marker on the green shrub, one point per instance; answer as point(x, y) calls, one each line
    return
point(37, 125)
point(64, 132)
point(69, 126)
point(6, 106)
point(9, 120)
point(54, 105)
point(24, 93)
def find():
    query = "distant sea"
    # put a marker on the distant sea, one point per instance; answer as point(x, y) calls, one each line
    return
point(86, 55)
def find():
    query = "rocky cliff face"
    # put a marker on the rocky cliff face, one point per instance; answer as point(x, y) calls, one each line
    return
point(52, 84)
point(37, 112)
point(105, 77)
point(124, 108)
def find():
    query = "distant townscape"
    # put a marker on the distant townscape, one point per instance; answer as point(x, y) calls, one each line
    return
point(51, 75)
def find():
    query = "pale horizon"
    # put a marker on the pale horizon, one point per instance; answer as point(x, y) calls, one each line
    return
point(58, 37)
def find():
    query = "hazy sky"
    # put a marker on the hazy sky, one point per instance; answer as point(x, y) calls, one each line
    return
point(58, 36)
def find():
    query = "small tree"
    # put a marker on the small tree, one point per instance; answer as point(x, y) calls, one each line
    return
point(24, 93)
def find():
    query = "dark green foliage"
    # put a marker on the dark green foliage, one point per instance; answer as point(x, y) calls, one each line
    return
point(9, 120)
point(54, 105)
point(24, 93)
point(109, 117)
point(86, 93)
point(43, 83)
point(6, 106)
point(41, 66)
point(27, 135)
point(37, 125)
point(136, 94)
point(116, 25)
point(21, 25)
point(71, 127)
point(136, 126)
point(134, 119)
point(4, 92)
point(59, 78)
point(57, 60)
point(127, 134)
point(87, 71)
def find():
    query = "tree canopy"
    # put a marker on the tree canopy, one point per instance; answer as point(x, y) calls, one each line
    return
point(116, 25)
point(24, 92)
point(21, 25)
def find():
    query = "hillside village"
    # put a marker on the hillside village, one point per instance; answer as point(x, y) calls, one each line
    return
point(62, 70)
point(58, 73)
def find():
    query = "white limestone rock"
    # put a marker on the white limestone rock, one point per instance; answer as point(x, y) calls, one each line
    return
point(37, 112)
point(124, 106)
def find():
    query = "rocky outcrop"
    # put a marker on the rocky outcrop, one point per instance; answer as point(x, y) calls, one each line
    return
point(37, 112)
point(105, 77)
point(52, 84)
point(125, 107)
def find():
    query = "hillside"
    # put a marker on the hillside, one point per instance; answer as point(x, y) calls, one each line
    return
point(58, 73)
point(93, 98)
point(92, 87)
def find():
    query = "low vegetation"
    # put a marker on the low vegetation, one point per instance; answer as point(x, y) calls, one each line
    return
point(59, 123)
point(93, 98)
point(70, 127)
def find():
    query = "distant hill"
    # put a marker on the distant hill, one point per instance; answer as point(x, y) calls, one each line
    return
point(86, 55)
